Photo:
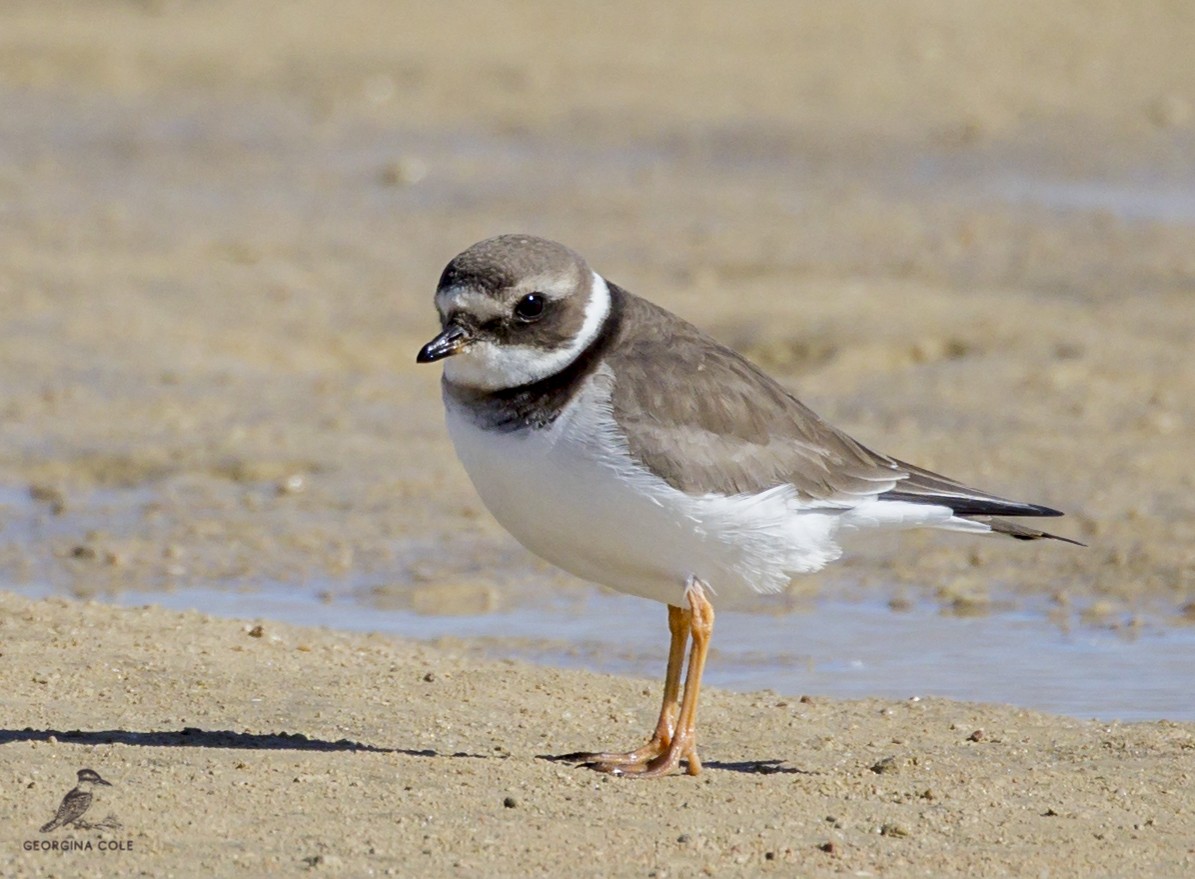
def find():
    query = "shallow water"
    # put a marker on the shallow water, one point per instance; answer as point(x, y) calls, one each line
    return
point(836, 648)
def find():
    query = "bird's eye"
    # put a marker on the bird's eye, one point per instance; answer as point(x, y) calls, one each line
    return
point(530, 307)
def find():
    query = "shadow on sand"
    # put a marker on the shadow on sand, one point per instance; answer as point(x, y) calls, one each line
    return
point(191, 737)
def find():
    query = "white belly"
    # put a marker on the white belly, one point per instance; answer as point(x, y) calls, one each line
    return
point(573, 496)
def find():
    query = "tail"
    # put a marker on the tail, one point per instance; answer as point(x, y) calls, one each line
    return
point(52, 824)
point(1020, 532)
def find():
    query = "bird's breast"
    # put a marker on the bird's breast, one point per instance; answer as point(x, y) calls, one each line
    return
point(571, 493)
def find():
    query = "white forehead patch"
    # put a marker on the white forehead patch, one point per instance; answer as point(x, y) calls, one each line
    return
point(486, 366)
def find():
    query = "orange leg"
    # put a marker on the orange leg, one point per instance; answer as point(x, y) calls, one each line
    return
point(681, 743)
point(678, 626)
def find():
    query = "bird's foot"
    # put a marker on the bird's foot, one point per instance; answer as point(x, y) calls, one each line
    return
point(655, 759)
point(665, 763)
point(655, 746)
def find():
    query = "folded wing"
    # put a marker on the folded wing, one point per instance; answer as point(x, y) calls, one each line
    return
point(747, 434)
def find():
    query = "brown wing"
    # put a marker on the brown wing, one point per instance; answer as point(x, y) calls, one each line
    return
point(706, 420)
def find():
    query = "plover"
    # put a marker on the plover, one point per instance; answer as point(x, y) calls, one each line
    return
point(76, 802)
point(624, 445)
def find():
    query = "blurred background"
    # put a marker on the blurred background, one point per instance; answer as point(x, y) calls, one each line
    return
point(965, 232)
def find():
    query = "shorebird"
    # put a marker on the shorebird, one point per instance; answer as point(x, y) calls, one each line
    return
point(624, 445)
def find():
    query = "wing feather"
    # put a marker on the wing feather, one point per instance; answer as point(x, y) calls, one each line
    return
point(748, 434)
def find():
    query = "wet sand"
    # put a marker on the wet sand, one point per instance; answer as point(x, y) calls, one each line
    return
point(964, 234)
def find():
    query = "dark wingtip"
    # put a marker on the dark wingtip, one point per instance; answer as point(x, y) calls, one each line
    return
point(967, 506)
point(1039, 510)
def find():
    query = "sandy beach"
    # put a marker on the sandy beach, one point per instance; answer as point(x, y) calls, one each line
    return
point(294, 749)
point(964, 233)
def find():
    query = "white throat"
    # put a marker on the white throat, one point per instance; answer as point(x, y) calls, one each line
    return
point(488, 367)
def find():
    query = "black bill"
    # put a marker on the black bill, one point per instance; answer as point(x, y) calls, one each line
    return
point(452, 339)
